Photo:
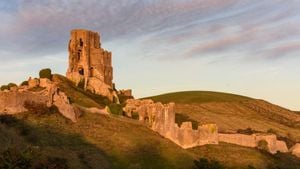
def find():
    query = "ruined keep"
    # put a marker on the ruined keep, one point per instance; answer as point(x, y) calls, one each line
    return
point(90, 66)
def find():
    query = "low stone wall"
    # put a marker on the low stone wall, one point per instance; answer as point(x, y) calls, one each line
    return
point(274, 145)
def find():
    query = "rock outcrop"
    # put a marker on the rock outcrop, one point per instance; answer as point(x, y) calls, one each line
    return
point(39, 91)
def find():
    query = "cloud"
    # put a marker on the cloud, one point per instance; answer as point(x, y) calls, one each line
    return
point(32, 29)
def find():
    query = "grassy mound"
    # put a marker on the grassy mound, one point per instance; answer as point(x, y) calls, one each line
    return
point(233, 112)
point(198, 97)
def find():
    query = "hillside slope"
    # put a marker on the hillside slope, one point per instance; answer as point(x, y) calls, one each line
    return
point(233, 112)
point(110, 141)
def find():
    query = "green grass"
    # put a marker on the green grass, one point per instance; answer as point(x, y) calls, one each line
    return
point(78, 95)
point(238, 157)
point(120, 143)
point(117, 143)
point(110, 142)
point(198, 97)
point(233, 112)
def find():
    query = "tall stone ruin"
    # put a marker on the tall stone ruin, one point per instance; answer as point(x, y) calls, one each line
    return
point(90, 66)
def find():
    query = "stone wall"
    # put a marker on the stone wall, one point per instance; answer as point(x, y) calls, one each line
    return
point(253, 140)
point(41, 91)
point(161, 118)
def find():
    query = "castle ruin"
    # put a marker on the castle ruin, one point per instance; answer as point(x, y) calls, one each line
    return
point(161, 119)
point(90, 66)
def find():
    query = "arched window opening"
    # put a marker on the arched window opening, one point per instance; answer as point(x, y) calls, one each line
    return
point(81, 71)
point(80, 42)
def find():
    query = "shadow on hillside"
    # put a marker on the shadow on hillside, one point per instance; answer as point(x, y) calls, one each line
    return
point(52, 141)
point(47, 143)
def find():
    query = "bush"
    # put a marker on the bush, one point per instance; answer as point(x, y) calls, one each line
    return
point(12, 158)
point(247, 131)
point(25, 83)
point(4, 87)
point(263, 145)
point(45, 73)
point(52, 163)
point(11, 85)
point(39, 108)
point(203, 163)
point(116, 109)
point(8, 120)
point(272, 131)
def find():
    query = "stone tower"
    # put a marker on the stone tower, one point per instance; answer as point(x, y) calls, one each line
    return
point(90, 66)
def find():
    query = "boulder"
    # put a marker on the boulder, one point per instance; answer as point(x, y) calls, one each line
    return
point(61, 101)
point(295, 150)
point(281, 146)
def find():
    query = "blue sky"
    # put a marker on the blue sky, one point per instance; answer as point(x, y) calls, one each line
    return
point(247, 47)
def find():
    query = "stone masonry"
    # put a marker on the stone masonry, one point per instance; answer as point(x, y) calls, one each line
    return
point(161, 118)
point(13, 101)
point(89, 64)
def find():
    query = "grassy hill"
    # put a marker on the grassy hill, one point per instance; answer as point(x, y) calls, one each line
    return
point(116, 142)
point(101, 141)
point(189, 97)
point(233, 112)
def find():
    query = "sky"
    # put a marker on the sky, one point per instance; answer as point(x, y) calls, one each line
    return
point(246, 47)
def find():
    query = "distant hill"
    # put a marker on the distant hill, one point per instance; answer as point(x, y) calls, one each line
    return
point(233, 112)
point(188, 97)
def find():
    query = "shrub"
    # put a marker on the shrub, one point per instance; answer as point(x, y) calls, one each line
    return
point(45, 73)
point(4, 87)
point(52, 163)
point(12, 158)
point(38, 108)
point(247, 131)
point(271, 131)
point(8, 120)
point(203, 163)
point(116, 109)
point(263, 145)
point(25, 83)
point(11, 85)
